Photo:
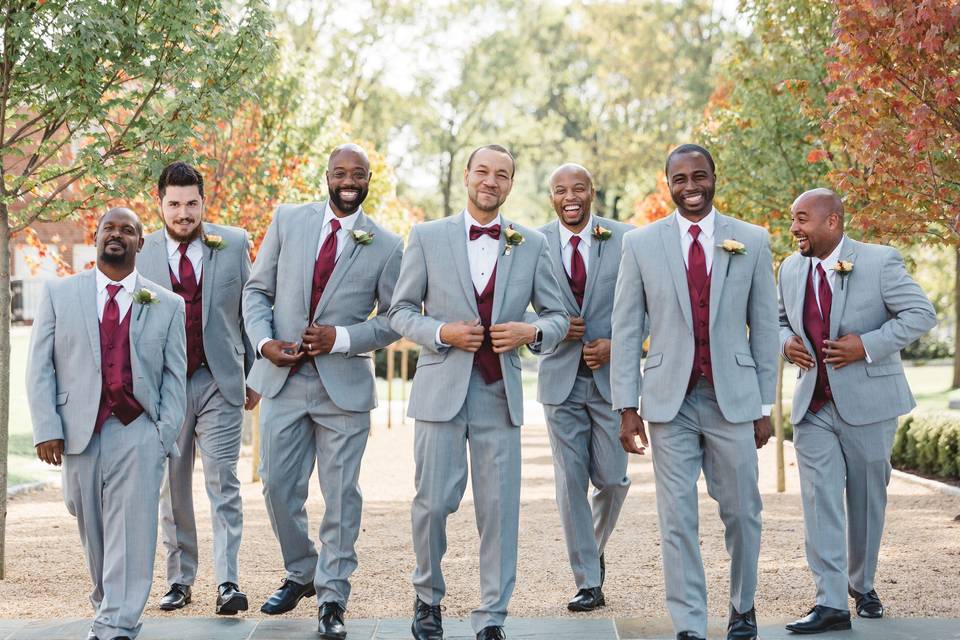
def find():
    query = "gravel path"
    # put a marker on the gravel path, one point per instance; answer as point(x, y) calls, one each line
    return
point(919, 572)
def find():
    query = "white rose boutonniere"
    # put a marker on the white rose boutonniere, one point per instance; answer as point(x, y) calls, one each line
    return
point(213, 241)
point(514, 239)
point(362, 237)
point(733, 247)
point(144, 296)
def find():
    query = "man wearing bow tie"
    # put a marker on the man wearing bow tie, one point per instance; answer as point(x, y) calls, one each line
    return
point(464, 286)
point(106, 384)
point(847, 308)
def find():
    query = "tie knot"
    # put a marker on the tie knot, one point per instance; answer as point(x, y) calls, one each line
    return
point(575, 242)
point(493, 231)
point(694, 231)
point(820, 271)
point(334, 225)
point(183, 248)
point(113, 290)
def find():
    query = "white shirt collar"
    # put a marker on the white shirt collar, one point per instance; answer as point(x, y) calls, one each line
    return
point(706, 225)
point(129, 283)
point(586, 234)
point(831, 259)
point(173, 246)
point(346, 222)
point(469, 220)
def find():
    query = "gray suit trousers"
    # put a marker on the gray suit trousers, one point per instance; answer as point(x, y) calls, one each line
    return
point(302, 426)
point(585, 438)
point(214, 427)
point(440, 451)
point(833, 457)
point(700, 438)
point(113, 489)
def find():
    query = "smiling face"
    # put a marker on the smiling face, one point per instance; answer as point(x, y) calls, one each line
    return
point(119, 238)
point(488, 178)
point(692, 184)
point(348, 180)
point(571, 194)
point(817, 222)
point(182, 211)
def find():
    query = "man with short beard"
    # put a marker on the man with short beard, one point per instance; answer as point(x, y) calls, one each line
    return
point(207, 265)
point(106, 386)
point(573, 383)
point(322, 270)
point(465, 284)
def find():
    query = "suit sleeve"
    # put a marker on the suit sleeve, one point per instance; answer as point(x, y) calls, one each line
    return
point(786, 331)
point(406, 312)
point(250, 355)
point(628, 325)
point(173, 380)
point(552, 319)
point(375, 333)
point(762, 320)
point(913, 315)
point(42, 374)
point(260, 289)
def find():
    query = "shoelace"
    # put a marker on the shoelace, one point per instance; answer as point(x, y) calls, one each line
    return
point(425, 610)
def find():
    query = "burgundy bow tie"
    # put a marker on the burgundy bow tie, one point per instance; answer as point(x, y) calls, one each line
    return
point(493, 231)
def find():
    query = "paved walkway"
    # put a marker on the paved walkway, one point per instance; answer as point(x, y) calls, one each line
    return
point(517, 629)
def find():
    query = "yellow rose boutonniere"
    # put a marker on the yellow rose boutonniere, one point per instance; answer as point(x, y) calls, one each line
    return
point(514, 239)
point(215, 242)
point(733, 247)
point(362, 237)
point(843, 268)
point(602, 233)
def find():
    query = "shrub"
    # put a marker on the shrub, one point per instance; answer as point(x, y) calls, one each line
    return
point(929, 442)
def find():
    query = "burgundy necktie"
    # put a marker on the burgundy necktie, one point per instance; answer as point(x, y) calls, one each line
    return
point(111, 311)
point(578, 271)
point(188, 277)
point(696, 260)
point(493, 231)
point(326, 261)
point(824, 294)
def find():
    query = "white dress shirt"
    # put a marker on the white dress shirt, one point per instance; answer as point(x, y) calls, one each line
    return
point(194, 254)
point(566, 249)
point(707, 225)
point(482, 252)
point(124, 297)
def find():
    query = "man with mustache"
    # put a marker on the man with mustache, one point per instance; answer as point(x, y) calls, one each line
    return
point(106, 383)
point(464, 286)
point(574, 381)
point(321, 271)
point(207, 265)
point(701, 284)
point(847, 308)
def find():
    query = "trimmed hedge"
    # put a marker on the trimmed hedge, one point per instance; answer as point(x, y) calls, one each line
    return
point(930, 443)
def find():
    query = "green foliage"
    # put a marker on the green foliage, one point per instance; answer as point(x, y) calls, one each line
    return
point(929, 443)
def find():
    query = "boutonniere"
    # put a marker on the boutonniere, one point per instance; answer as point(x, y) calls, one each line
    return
point(602, 233)
point(843, 268)
point(733, 247)
point(361, 237)
point(215, 242)
point(514, 239)
point(144, 296)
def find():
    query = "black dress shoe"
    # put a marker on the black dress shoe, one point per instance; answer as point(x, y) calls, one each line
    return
point(868, 604)
point(230, 599)
point(821, 619)
point(587, 600)
point(330, 625)
point(427, 621)
point(742, 625)
point(492, 633)
point(287, 597)
point(603, 570)
point(177, 598)
point(689, 635)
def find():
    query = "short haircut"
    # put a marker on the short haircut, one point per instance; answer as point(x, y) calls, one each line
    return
point(499, 149)
point(685, 149)
point(179, 174)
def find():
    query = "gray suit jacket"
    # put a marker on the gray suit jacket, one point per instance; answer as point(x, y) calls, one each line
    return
point(653, 281)
point(558, 370)
point(225, 271)
point(878, 301)
point(276, 301)
point(436, 276)
point(63, 371)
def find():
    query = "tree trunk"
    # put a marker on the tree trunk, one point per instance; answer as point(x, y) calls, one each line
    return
point(956, 320)
point(778, 429)
point(4, 375)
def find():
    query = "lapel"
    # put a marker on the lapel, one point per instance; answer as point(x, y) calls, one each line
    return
point(504, 263)
point(87, 303)
point(153, 262)
point(139, 317)
point(847, 253)
point(721, 262)
point(800, 278)
point(311, 237)
point(207, 276)
point(349, 253)
point(670, 241)
point(593, 271)
point(556, 254)
point(457, 236)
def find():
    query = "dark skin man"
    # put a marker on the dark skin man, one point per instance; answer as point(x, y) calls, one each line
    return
point(692, 183)
point(119, 238)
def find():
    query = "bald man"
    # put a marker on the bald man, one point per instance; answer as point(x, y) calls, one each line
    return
point(574, 381)
point(321, 272)
point(847, 308)
point(106, 384)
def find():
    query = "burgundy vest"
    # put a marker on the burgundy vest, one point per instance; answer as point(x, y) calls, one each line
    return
point(700, 308)
point(116, 395)
point(817, 330)
point(193, 301)
point(486, 358)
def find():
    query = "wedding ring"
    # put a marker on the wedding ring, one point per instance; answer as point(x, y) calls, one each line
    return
point(309, 347)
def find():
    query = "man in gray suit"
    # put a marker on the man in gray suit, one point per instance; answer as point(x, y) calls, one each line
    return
point(207, 265)
point(106, 383)
point(847, 308)
point(465, 284)
point(574, 381)
point(321, 271)
point(708, 384)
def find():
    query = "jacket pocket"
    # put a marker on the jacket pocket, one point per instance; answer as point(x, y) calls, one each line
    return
point(240, 349)
point(746, 360)
point(430, 357)
point(653, 360)
point(884, 369)
point(62, 398)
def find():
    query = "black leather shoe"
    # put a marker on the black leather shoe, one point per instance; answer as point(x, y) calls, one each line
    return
point(287, 597)
point(821, 619)
point(689, 635)
point(330, 625)
point(603, 570)
point(868, 604)
point(742, 625)
point(427, 621)
point(492, 633)
point(230, 599)
point(587, 600)
point(178, 597)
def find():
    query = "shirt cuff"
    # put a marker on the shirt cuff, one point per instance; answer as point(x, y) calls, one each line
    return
point(866, 354)
point(260, 345)
point(766, 410)
point(341, 343)
point(440, 343)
